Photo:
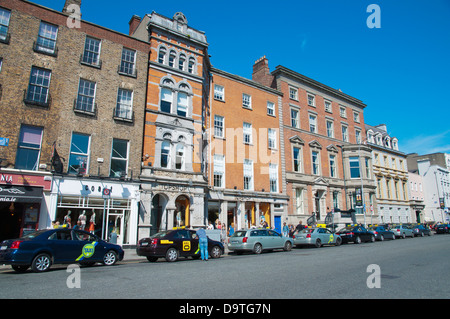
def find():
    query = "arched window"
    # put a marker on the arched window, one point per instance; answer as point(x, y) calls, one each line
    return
point(191, 65)
point(166, 100)
point(179, 156)
point(172, 58)
point(165, 154)
point(182, 105)
point(162, 55)
point(181, 62)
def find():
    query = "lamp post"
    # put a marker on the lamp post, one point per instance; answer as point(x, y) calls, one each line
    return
point(361, 177)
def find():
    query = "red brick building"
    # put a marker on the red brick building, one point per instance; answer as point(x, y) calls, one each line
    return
point(323, 131)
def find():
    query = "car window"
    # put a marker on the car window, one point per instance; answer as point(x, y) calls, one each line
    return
point(273, 233)
point(181, 234)
point(239, 233)
point(61, 235)
point(83, 236)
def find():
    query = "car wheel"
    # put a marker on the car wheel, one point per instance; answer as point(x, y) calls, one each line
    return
point(318, 243)
point(172, 255)
point(372, 239)
point(110, 258)
point(381, 238)
point(403, 235)
point(20, 268)
point(357, 240)
point(338, 242)
point(41, 263)
point(287, 246)
point(216, 252)
point(152, 258)
point(257, 249)
point(422, 234)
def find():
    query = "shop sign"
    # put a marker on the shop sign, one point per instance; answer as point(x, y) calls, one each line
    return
point(20, 194)
point(24, 180)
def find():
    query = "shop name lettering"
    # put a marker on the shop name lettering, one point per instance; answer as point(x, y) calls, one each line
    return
point(175, 188)
point(6, 178)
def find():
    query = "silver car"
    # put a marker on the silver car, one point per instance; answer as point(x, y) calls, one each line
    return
point(257, 240)
point(316, 237)
point(402, 231)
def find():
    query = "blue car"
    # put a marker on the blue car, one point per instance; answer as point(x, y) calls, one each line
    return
point(43, 248)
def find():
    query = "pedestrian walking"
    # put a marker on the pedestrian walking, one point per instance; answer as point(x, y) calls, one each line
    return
point(285, 230)
point(203, 243)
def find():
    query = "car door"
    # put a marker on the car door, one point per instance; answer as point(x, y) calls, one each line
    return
point(183, 241)
point(195, 248)
point(329, 237)
point(277, 240)
point(88, 246)
point(62, 246)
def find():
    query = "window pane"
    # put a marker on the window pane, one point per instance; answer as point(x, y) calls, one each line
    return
point(29, 147)
point(79, 153)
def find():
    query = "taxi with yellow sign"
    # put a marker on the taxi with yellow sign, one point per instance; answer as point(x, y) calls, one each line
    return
point(40, 249)
point(175, 243)
point(317, 237)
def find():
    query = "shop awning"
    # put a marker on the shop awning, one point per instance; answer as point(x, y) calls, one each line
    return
point(20, 194)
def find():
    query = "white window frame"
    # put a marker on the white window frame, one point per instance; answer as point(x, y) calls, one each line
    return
point(295, 121)
point(330, 128)
point(311, 99)
point(219, 169)
point(272, 138)
point(219, 92)
point(248, 175)
point(219, 126)
point(270, 108)
point(247, 133)
point(246, 101)
point(312, 118)
point(273, 178)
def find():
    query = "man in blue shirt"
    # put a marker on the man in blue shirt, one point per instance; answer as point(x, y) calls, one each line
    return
point(203, 243)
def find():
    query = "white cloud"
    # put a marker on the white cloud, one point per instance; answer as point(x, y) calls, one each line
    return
point(427, 144)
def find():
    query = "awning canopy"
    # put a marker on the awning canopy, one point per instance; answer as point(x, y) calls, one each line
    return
point(22, 194)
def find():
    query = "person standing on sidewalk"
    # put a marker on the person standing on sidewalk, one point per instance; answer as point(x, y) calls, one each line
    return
point(203, 243)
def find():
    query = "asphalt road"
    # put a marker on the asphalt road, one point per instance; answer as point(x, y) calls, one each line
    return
point(408, 268)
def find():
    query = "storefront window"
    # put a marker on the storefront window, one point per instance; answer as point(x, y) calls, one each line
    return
point(107, 219)
point(181, 217)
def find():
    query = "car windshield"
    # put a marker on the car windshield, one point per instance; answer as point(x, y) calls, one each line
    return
point(161, 234)
point(239, 233)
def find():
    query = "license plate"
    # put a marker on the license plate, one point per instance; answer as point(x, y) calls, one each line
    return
point(144, 243)
point(3, 247)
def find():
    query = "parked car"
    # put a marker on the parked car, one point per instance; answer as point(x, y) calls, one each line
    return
point(402, 231)
point(43, 248)
point(356, 234)
point(381, 233)
point(316, 237)
point(442, 229)
point(172, 244)
point(421, 230)
point(258, 240)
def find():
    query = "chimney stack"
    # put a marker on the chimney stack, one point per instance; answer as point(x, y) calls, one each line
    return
point(134, 23)
point(261, 72)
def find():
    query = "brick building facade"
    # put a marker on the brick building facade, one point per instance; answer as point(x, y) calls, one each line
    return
point(79, 89)
point(323, 131)
point(245, 172)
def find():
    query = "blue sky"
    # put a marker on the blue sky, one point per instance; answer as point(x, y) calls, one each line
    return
point(401, 70)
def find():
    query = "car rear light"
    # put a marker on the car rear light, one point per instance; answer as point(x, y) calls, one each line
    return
point(375, 232)
point(154, 241)
point(351, 234)
point(15, 244)
point(308, 235)
point(293, 236)
point(244, 240)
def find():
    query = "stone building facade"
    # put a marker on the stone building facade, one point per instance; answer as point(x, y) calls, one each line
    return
point(173, 173)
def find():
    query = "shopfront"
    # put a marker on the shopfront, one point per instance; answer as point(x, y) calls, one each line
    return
point(107, 208)
point(22, 203)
